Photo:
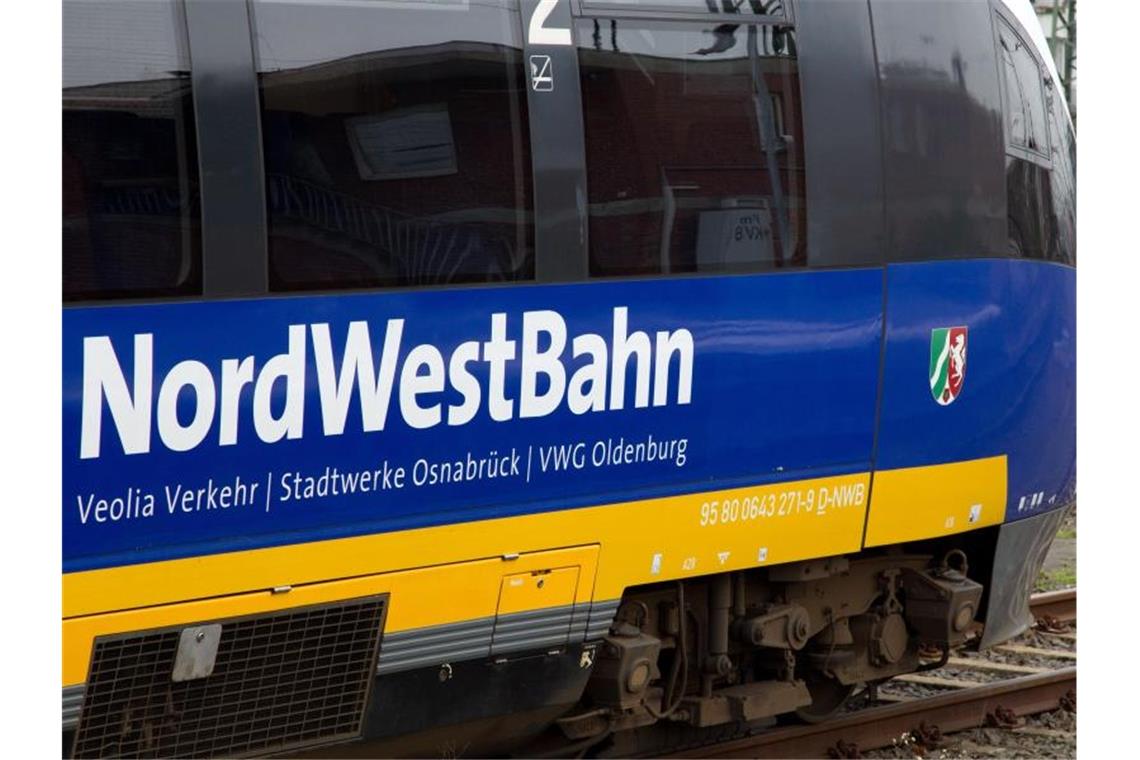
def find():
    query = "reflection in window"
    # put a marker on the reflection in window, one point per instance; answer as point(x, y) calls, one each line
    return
point(690, 7)
point(694, 147)
point(1062, 242)
point(396, 146)
point(130, 166)
point(1024, 95)
point(414, 142)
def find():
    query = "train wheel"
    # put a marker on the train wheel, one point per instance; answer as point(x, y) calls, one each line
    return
point(827, 698)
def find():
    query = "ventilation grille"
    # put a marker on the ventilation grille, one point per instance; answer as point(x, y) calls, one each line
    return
point(279, 682)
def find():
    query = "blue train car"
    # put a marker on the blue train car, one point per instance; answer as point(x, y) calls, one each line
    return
point(549, 376)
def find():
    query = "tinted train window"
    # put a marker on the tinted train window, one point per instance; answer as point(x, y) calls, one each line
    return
point(130, 168)
point(396, 144)
point(943, 140)
point(694, 146)
point(1022, 80)
point(1062, 243)
point(688, 7)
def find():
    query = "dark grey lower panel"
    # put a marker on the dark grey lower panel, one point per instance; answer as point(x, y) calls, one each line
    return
point(475, 708)
point(1021, 549)
point(72, 701)
point(471, 640)
point(532, 630)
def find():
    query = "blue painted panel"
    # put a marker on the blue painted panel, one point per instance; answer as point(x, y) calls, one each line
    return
point(784, 379)
point(1019, 393)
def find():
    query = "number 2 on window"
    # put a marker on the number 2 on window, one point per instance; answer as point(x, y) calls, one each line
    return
point(538, 34)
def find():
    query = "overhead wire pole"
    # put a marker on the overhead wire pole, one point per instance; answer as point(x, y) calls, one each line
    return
point(1070, 48)
point(1062, 30)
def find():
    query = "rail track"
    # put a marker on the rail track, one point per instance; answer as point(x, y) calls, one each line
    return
point(1059, 605)
point(1016, 691)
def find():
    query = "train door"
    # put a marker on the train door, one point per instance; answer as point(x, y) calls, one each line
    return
point(714, 190)
point(977, 409)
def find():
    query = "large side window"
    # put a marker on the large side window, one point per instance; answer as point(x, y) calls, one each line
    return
point(1063, 219)
point(694, 144)
point(396, 144)
point(942, 135)
point(1031, 224)
point(1022, 85)
point(130, 167)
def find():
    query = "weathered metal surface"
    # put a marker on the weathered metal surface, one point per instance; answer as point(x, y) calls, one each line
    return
point(1018, 558)
point(197, 652)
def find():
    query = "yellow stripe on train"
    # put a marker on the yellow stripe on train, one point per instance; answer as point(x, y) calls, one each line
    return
point(924, 502)
point(452, 573)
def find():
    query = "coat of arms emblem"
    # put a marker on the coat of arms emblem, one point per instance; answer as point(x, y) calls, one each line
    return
point(947, 363)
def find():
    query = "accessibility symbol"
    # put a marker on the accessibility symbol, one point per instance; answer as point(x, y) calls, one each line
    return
point(541, 74)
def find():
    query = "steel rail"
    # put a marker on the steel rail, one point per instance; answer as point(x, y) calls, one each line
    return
point(1059, 605)
point(879, 726)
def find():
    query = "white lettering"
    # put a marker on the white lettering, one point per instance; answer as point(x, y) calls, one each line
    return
point(535, 363)
point(624, 346)
point(235, 376)
point(587, 391)
point(681, 343)
point(540, 34)
point(464, 382)
point(497, 352)
point(103, 378)
point(289, 366)
point(413, 383)
point(428, 379)
point(174, 434)
point(356, 366)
